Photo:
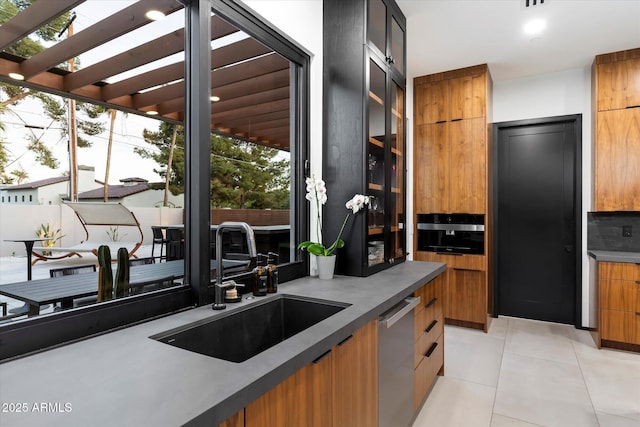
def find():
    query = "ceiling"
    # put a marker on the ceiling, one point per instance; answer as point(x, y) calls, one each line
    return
point(253, 82)
point(449, 34)
point(143, 72)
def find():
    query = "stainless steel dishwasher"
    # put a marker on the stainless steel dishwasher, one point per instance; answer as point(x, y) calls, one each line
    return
point(395, 364)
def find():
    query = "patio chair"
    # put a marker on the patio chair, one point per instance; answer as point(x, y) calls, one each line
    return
point(76, 269)
point(158, 239)
point(95, 214)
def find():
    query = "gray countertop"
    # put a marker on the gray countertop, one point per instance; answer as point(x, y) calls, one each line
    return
point(615, 256)
point(125, 378)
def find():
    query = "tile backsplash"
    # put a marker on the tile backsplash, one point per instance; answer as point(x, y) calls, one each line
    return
point(605, 231)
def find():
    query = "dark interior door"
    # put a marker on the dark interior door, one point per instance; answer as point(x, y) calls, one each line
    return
point(536, 249)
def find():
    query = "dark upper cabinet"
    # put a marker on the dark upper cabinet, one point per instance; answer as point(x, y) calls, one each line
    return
point(364, 131)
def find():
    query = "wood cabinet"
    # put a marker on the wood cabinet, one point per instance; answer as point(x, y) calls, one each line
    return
point(450, 140)
point(340, 388)
point(617, 150)
point(450, 167)
point(236, 420)
point(619, 305)
point(364, 138)
point(616, 99)
point(355, 379)
point(429, 338)
point(618, 85)
point(451, 99)
point(295, 401)
point(451, 175)
point(466, 299)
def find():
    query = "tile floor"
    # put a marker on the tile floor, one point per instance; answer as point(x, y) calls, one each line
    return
point(525, 373)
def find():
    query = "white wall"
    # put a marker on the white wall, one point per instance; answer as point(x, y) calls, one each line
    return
point(22, 221)
point(547, 95)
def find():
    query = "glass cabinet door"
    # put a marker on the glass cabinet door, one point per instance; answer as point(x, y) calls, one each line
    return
point(376, 164)
point(397, 46)
point(396, 140)
point(377, 25)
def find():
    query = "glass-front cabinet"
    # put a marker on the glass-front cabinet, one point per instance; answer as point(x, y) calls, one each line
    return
point(385, 162)
point(364, 131)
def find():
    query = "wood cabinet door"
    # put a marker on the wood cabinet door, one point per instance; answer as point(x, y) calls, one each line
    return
point(467, 97)
point(618, 84)
point(617, 177)
point(466, 297)
point(355, 379)
point(236, 420)
point(431, 102)
point(300, 400)
point(431, 168)
point(467, 144)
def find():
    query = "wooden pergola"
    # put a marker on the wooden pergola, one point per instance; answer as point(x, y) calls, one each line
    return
point(251, 81)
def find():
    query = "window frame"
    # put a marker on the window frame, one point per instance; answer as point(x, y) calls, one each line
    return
point(32, 335)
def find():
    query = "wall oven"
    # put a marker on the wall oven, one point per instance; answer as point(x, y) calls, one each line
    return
point(454, 234)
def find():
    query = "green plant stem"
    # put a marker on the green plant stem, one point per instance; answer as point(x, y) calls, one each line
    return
point(332, 248)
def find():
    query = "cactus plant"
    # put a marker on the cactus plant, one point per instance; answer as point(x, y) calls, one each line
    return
point(122, 273)
point(105, 274)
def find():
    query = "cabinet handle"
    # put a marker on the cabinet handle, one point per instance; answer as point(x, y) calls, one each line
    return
point(431, 349)
point(345, 340)
point(633, 106)
point(430, 327)
point(441, 121)
point(637, 282)
point(322, 356)
point(456, 120)
point(464, 269)
point(430, 303)
point(637, 313)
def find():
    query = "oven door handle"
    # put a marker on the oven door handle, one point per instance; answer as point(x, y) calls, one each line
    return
point(409, 304)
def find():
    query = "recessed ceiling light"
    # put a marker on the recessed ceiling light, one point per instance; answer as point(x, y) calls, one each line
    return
point(16, 76)
point(534, 27)
point(154, 15)
point(214, 98)
point(151, 113)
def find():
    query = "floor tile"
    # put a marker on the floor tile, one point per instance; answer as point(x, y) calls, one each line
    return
point(608, 420)
point(498, 327)
point(613, 382)
point(456, 403)
point(502, 421)
point(543, 392)
point(544, 340)
point(472, 355)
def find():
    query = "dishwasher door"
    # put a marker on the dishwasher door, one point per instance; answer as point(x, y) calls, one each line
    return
point(395, 364)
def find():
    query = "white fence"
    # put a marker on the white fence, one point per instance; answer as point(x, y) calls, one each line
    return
point(22, 222)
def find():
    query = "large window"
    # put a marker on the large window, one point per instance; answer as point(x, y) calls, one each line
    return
point(251, 136)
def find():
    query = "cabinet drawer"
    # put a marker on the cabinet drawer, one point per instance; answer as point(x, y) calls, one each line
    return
point(428, 336)
point(426, 372)
point(620, 295)
point(621, 326)
point(618, 271)
point(425, 318)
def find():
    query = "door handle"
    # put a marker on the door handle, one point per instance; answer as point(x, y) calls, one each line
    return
point(410, 304)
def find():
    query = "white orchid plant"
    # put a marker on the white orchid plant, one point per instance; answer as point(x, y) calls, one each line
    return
point(317, 193)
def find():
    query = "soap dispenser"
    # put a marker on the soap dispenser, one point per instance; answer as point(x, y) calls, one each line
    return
point(261, 277)
point(272, 272)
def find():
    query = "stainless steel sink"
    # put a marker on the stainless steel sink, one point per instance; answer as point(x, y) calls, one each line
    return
point(250, 331)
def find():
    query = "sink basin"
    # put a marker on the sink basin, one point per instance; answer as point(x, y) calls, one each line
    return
point(252, 330)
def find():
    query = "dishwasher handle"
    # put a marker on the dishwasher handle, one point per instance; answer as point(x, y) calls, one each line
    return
point(409, 304)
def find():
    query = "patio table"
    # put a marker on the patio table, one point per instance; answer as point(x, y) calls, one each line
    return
point(65, 289)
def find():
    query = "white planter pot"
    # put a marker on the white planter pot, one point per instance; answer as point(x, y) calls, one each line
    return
point(326, 266)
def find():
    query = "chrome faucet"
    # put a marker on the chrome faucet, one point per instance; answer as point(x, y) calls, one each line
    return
point(219, 286)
